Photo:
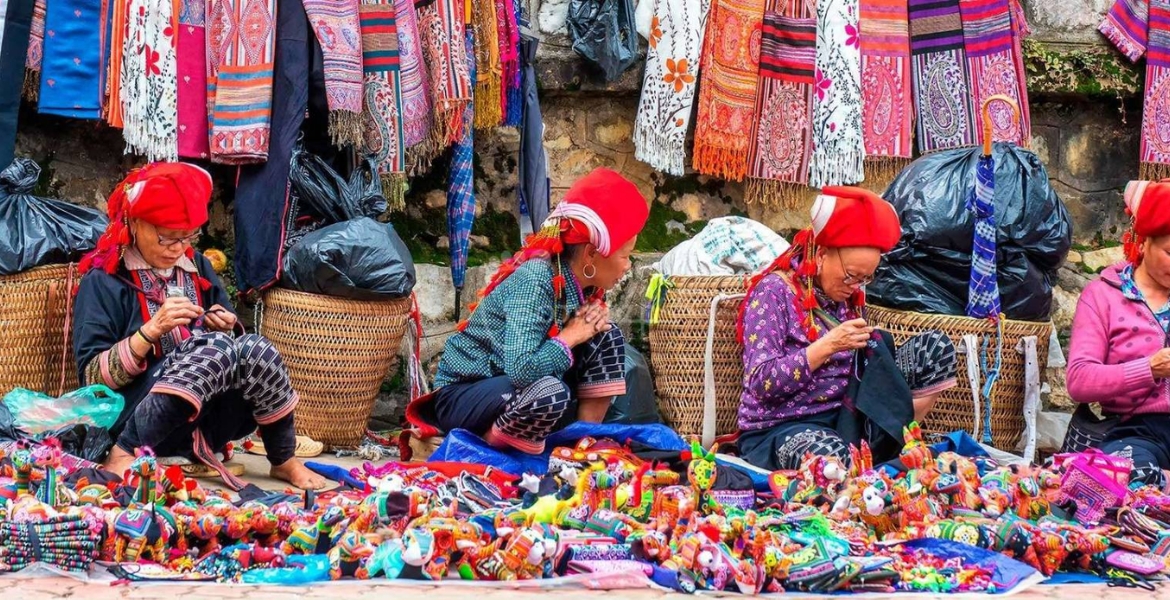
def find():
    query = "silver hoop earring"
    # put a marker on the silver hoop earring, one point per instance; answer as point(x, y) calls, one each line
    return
point(587, 273)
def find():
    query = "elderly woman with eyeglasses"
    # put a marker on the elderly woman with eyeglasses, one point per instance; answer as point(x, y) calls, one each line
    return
point(153, 321)
point(802, 323)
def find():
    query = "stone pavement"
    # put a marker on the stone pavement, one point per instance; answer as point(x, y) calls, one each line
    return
point(56, 588)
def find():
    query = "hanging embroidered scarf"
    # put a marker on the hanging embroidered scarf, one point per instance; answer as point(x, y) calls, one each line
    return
point(240, 49)
point(727, 95)
point(987, 33)
point(782, 139)
point(15, 21)
point(382, 111)
point(668, 91)
point(338, 30)
point(71, 80)
point(886, 107)
point(441, 28)
point(112, 110)
point(1142, 27)
point(191, 54)
point(416, 101)
point(838, 151)
point(942, 97)
point(1020, 30)
point(149, 81)
point(509, 34)
point(36, 46)
point(489, 79)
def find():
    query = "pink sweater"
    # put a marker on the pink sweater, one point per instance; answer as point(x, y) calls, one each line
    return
point(1113, 339)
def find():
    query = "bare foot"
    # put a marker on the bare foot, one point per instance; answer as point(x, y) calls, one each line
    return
point(118, 461)
point(296, 473)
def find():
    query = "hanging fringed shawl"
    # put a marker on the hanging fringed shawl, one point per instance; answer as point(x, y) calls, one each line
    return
point(338, 30)
point(1020, 30)
point(782, 136)
point(461, 189)
point(942, 96)
point(838, 151)
point(489, 81)
point(382, 111)
point(668, 92)
point(727, 95)
point(71, 73)
point(886, 105)
point(241, 40)
point(36, 48)
point(987, 31)
point(149, 81)
point(513, 101)
point(441, 28)
point(1137, 28)
point(192, 60)
point(112, 110)
point(416, 99)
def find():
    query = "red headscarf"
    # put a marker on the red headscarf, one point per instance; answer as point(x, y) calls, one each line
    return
point(842, 217)
point(1148, 203)
point(166, 195)
point(602, 208)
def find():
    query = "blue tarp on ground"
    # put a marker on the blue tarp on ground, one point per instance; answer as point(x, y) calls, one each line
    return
point(463, 446)
point(1007, 573)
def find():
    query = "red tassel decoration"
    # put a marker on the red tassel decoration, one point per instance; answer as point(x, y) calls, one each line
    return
point(461, 326)
point(554, 331)
point(558, 283)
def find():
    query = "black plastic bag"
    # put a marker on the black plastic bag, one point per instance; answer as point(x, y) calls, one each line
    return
point(333, 198)
point(929, 270)
point(637, 406)
point(603, 33)
point(84, 441)
point(37, 231)
point(360, 259)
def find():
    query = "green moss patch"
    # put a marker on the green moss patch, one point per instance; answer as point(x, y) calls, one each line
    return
point(1088, 71)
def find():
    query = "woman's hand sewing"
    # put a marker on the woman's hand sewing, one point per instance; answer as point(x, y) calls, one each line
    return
point(175, 312)
point(589, 320)
point(219, 318)
point(850, 335)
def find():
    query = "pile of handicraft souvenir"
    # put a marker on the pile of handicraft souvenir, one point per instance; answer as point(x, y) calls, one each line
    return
point(603, 509)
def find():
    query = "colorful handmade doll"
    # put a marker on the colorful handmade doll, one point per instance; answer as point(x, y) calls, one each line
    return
point(348, 557)
point(387, 560)
point(915, 454)
point(701, 473)
point(316, 538)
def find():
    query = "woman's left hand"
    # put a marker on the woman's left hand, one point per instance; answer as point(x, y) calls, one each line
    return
point(219, 318)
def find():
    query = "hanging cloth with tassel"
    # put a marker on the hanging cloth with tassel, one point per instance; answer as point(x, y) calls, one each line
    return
point(1142, 28)
point(150, 81)
point(441, 27)
point(886, 103)
point(36, 48)
point(416, 99)
point(987, 31)
point(489, 78)
point(838, 151)
point(942, 96)
point(338, 29)
point(778, 171)
point(508, 16)
point(382, 110)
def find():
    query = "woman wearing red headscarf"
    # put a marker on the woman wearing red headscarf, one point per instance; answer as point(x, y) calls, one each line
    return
point(153, 321)
point(540, 351)
point(1119, 356)
point(802, 325)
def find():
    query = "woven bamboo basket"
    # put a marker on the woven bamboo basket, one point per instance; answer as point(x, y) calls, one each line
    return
point(337, 352)
point(696, 400)
point(955, 408)
point(35, 317)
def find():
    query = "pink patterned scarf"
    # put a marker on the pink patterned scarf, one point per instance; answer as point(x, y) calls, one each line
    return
point(441, 30)
point(192, 56)
point(887, 106)
point(987, 32)
point(239, 78)
point(337, 26)
point(1137, 28)
point(36, 49)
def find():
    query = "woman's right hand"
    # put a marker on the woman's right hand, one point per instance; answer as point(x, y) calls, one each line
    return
point(850, 335)
point(175, 312)
point(589, 320)
point(1160, 364)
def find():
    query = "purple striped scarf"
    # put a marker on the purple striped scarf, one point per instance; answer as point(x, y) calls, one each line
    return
point(942, 97)
point(990, 47)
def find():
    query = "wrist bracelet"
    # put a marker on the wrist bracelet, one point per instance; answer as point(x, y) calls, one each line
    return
point(146, 337)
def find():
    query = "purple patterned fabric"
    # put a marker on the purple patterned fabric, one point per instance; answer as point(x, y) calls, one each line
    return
point(778, 385)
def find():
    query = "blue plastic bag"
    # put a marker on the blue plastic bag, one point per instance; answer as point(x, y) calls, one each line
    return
point(37, 413)
point(463, 446)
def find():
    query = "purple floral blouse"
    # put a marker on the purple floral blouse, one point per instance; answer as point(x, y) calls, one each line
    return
point(778, 385)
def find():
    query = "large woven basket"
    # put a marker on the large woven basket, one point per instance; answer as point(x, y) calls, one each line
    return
point(35, 311)
point(337, 352)
point(955, 409)
point(695, 399)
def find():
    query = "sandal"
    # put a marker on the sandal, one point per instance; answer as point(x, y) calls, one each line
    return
point(202, 471)
point(306, 447)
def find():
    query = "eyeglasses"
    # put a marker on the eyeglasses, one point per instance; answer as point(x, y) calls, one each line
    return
point(850, 278)
point(167, 242)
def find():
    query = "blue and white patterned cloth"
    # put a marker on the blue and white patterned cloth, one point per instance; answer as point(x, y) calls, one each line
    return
point(461, 190)
point(983, 292)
